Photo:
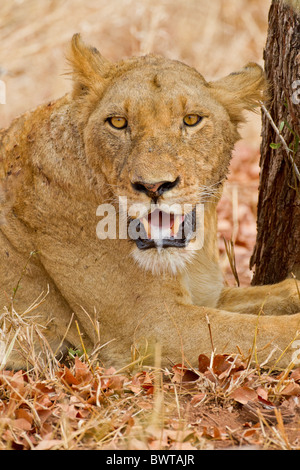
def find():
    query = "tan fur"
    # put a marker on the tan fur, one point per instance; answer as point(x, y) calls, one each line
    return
point(59, 162)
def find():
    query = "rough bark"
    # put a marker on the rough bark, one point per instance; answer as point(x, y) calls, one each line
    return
point(277, 251)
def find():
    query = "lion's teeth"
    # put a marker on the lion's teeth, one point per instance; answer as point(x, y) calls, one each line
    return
point(146, 226)
point(177, 222)
point(160, 229)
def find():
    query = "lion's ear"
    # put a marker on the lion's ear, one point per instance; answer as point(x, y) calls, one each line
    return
point(241, 90)
point(89, 68)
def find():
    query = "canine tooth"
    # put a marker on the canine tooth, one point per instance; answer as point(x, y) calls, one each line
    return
point(176, 225)
point(146, 226)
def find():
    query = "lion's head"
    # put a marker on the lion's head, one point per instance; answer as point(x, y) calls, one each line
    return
point(162, 137)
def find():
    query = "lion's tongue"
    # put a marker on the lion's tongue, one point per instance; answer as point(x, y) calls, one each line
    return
point(161, 225)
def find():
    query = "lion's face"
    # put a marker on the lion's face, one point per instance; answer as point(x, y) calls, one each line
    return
point(162, 138)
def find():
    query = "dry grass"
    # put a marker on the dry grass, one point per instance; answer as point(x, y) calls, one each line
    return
point(84, 406)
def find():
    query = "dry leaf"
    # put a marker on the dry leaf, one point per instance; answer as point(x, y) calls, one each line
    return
point(197, 398)
point(203, 363)
point(262, 393)
point(292, 389)
point(48, 444)
point(295, 375)
point(82, 372)
point(220, 364)
point(21, 423)
point(24, 414)
point(183, 374)
point(67, 376)
point(244, 394)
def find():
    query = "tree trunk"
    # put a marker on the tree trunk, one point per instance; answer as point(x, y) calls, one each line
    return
point(277, 251)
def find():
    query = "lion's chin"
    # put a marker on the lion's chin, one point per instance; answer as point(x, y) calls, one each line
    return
point(163, 260)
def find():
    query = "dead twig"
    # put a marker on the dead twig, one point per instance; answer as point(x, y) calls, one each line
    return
point(229, 247)
point(284, 144)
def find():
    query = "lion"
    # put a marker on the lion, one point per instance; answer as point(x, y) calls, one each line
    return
point(147, 133)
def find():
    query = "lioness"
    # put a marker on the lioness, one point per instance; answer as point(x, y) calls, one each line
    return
point(147, 132)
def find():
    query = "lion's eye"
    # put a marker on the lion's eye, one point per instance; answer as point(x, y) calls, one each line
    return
point(192, 119)
point(117, 122)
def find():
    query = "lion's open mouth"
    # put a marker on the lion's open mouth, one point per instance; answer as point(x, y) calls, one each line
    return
point(159, 229)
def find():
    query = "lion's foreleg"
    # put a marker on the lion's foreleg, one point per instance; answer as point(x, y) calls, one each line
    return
point(276, 299)
point(185, 331)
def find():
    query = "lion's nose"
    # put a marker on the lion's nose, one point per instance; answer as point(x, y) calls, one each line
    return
point(154, 190)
